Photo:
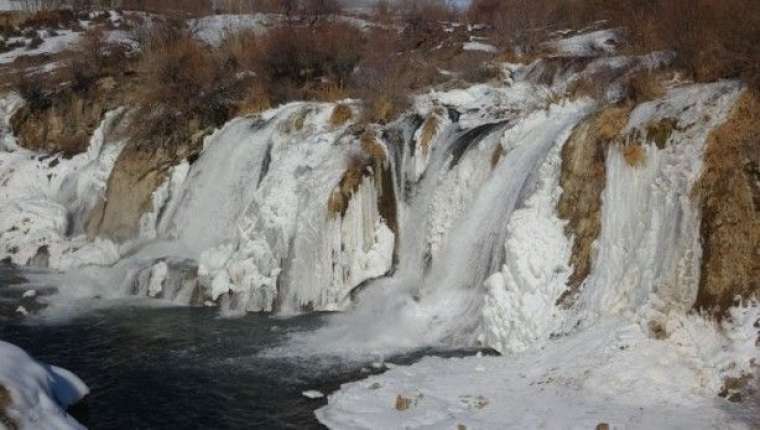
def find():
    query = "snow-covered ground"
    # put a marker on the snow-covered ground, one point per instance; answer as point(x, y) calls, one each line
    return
point(11, 5)
point(214, 28)
point(613, 373)
point(39, 393)
point(64, 39)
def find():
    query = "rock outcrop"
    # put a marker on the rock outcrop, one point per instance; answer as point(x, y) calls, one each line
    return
point(729, 195)
point(63, 122)
point(583, 180)
point(138, 172)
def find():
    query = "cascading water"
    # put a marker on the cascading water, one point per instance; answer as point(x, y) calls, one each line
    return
point(249, 227)
point(443, 306)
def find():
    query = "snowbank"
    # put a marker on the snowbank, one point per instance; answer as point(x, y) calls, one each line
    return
point(64, 39)
point(213, 29)
point(613, 373)
point(39, 393)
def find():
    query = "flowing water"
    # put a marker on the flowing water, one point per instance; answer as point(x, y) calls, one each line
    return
point(179, 367)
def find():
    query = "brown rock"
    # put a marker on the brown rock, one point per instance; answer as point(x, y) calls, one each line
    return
point(138, 172)
point(583, 180)
point(65, 125)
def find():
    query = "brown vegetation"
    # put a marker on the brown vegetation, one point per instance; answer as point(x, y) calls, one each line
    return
point(712, 39)
point(341, 114)
point(583, 180)
point(356, 171)
point(644, 86)
point(429, 130)
point(634, 154)
point(5, 402)
point(729, 196)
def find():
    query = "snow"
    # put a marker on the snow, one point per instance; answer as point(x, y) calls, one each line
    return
point(65, 39)
point(42, 192)
point(612, 373)
point(313, 394)
point(213, 29)
point(587, 44)
point(597, 362)
point(519, 300)
point(40, 393)
point(6, 5)
point(479, 46)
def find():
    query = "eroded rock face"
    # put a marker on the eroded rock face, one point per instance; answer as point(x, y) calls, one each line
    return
point(729, 195)
point(65, 124)
point(138, 172)
point(583, 180)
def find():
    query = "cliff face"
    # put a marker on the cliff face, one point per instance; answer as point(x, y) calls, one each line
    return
point(728, 193)
point(583, 179)
point(137, 174)
point(63, 122)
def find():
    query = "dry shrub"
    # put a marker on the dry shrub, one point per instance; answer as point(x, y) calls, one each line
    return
point(644, 86)
point(294, 57)
point(95, 57)
point(182, 87)
point(36, 91)
point(712, 39)
point(328, 92)
point(241, 50)
point(51, 18)
point(179, 8)
point(341, 114)
point(257, 99)
point(519, 24)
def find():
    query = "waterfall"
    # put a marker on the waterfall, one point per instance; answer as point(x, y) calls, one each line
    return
point(438, 229)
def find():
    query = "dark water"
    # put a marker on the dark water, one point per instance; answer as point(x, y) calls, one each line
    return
point(183, 368)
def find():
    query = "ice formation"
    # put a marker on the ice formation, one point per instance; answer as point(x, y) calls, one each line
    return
point(39, 393)
point(472, 252)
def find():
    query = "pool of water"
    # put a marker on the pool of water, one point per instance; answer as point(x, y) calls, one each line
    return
point(162, 368)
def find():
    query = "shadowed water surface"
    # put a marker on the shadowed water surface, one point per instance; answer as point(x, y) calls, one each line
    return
point(160, 368)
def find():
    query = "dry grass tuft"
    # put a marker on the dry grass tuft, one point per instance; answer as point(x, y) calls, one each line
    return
point(257, 100)
point(372, 147)
point(352, 178)
point(645, 86)
point(659, 132)
point(635, 155)
point(382, 110)
point(611, 121)
point(328, 93)
point(429, 130)
point(341, 114)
